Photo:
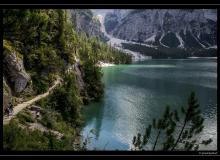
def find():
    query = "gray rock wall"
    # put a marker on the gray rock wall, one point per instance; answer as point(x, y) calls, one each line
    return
point(14, 71)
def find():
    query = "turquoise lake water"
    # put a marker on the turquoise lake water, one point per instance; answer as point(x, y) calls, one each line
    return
point(137, 93)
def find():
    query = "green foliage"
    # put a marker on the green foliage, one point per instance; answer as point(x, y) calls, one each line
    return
point(47, 42)
point(91, 52)
point(163, 52)
point(139, 141)
point(18, 139)
point(96, 51)
point(15, 138)
point(43, 59)
point(66, 99)
point(183, 137)
point(25, 117)
point(206, 142)
point(86, 12)
point(48, 120)
point(40, 83)
point(52, 119)
point(92, 79)
point(34, 33)
point(9, 48)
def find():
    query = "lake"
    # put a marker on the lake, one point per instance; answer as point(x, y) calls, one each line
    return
point(137, 93)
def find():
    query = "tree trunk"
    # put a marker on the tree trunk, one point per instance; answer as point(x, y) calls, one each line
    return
point(181, 131)
point(179, 136)
point(156, 140)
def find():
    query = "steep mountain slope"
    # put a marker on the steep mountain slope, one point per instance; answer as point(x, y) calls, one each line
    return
point(85, 21)
point(173, 28)
point(40, 45)
point(113, 41)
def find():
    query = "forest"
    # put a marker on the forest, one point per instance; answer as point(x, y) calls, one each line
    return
point(136, 107)
point(47, 43)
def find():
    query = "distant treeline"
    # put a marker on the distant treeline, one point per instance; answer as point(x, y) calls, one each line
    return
point(163, 52)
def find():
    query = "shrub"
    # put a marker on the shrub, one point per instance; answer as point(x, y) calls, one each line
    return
point(66, 99)
point(18, 139)
point(25, 117)
point(40, 84)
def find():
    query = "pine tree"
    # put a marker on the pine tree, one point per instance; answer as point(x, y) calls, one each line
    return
point(190, 126)
point(194, 120)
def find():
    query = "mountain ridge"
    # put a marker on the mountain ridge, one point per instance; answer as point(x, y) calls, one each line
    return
point(183, 28)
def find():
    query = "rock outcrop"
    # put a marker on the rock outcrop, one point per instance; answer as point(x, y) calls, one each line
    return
point(77, 70)
point(6, 94)
point(85, 21)
point(13, 69)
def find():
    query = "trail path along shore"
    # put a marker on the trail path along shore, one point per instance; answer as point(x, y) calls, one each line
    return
point(23, 105)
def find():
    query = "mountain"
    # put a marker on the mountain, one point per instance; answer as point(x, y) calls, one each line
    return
point(85, 21)
point(170, 28)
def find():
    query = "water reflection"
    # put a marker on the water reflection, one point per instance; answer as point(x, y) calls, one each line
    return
point(94, 118)
point(135, 94)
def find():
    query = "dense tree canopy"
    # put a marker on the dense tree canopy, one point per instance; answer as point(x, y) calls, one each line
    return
point(48, 43)
point(47, 40)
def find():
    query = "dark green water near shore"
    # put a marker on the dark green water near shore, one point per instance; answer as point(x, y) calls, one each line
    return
point(137, 93)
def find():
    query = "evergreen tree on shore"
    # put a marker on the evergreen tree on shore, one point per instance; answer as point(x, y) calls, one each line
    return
point(177, 133)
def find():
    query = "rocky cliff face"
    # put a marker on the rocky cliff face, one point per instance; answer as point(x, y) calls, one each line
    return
point(85, 21)
point(191, 28)
point(6, 94)
point(77, 70)
point(13, 69)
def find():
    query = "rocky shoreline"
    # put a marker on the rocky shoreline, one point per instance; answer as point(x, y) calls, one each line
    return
point(103, 64)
